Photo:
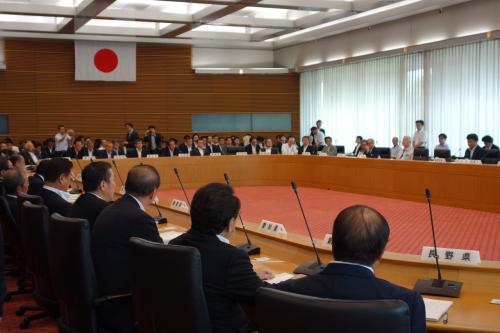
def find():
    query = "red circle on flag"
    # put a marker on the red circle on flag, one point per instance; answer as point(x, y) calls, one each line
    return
point(105, 60)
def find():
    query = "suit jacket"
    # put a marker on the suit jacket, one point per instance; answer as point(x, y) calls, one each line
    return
point(48, 153)
point(214, 149)
point(73, 154)
point(85, 152)
point(228, 280)
point(158, 140)
point(104, 154)
point(248, 149)
point(133, 153)
point(3, 289)
point(112, 230)
point(28, 159)
point(183, 148)
point(35, 184)
point(12, 202)
point(350, 282)
point(54, 202)
point(374, 153)
point(196, 152)
point(330, 150)
point(356, 150)
point(478, 153)
point(493, 147)
point(166, 152)
point(131, 138)
point(274, 151)
point(310, 149)
point(88, 206)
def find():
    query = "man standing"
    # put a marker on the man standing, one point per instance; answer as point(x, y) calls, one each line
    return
point(62, 140)
point(319, 126)
point(419, 138)
point(360, 235)
point(131, 137)
point(153, 139)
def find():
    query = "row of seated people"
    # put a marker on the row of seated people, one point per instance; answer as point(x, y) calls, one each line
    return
point(360, 235)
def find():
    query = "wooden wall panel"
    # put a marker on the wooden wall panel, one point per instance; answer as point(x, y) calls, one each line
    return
point(38, 91)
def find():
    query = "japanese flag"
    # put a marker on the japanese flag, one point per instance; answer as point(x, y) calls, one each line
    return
point(104, 61)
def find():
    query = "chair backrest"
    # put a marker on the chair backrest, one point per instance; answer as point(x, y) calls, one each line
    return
point(421, 154)
point(442, 153)
point(35, 233)
point(232, 150)
point(385, 152)
point(492, 156)
point(340, 149)
point(71, 265)
point(10, 228)
point(279, 311)
point(178, 278)
point(21, 198)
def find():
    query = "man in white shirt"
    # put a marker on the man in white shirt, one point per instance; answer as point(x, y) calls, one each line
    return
point(396, 148)
point(419, 138)
point(407, 152)
point(317, 138)
point(290, 148)
point(442, 143)
point(62, 140)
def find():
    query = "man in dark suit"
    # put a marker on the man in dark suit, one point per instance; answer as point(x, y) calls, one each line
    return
point(138, 151)
point(357, 149)
point(253, 148)
point(131, 137)
point(57, 182)
point(153, 140)
point(36, 182)
point(268, 147)
point(3, 289)
point(116, 224)
point(372, 151)
point(360, 235)
point(107, 152)
point(75, 151)
point(212, 145)
point(474, 152)
point(171, 150)
point(99, 185)
point(307, 147)
point(14, 182)
point(48, 151)
point(199, 150)
point(88, 150)
point(187, 146)
point(228, 275)
point(488, 143)
point(31, 156)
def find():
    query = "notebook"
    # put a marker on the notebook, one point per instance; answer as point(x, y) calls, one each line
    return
point(435, 309)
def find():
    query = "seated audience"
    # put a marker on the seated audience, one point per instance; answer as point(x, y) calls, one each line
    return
point(228, 276)
point(222, 145)
point(171, 150)
point(280, 140)
point(290, 148)
point(216, 148)
point(488, 143)
point(329, 149)
point(229, 142)
point(117, 223)
point(396, 148)
point(108, 152)
point(307, 147)
point(58, 179)
point(119, 149)
point(138, 151)
point(89, 150)
point(18, 163)
point(269, 148)
point(372, 151)
point(5, 164)
point(474, 152)
point(187, 146)
point(357, 148)
point(407, 152)
point(200, 149)
point(31, 156)
point(360, 235)
point(14, 182)
point(37, 181)
point(442, 142)
point(75, 151)
point(99, 185)
point(253, 147)
point(48, 149)
point(236, 142)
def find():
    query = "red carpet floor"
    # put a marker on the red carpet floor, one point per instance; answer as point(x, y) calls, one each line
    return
point(409, 221)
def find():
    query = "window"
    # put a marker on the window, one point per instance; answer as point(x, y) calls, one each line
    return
point(246, 122)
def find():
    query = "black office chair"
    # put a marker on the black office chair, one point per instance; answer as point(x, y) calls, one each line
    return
point(72, 268)
point(279, 311)
point(421, 154)
point(491, 157)
point(442, 153)
point(35, 237)
point(232, 150)
point(385, 152)
point(340, 149)
point(152, 282)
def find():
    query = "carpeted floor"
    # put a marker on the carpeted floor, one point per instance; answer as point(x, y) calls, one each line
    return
point(409, 221)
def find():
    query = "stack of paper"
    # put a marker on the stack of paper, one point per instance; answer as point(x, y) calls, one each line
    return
point(280, 278)
point(169, 235)
point(435, 309)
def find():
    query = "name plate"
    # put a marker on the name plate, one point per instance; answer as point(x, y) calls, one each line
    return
point(87, 158)
point(455, 256)
point(184, 155)
point(306, 153)
point(322, 154)
point(119, 157)
point(152, 156)
point(179, 204)
point(439, 160)
point(241, 153)
point(327, 240)
point(272, 227)
point(215, 154)
point(265, 153)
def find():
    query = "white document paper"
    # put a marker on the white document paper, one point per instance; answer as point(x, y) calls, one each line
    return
point(169, 235)
point(435, 309)
point(280, 278)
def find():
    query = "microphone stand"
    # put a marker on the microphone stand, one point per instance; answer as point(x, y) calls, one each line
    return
point(76, 190)
point(308, 267)
point(248, 247)
point(437, 286)
point(182, 186)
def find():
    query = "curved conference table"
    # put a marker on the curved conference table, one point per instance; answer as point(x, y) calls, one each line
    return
point(453, 184)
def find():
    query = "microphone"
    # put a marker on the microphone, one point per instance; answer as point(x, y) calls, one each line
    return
point(76, 190)
point(308, 267)
point(248, 247)
point(182, 186)
point(159, 219)
point(437, 286)
point(118, 172)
